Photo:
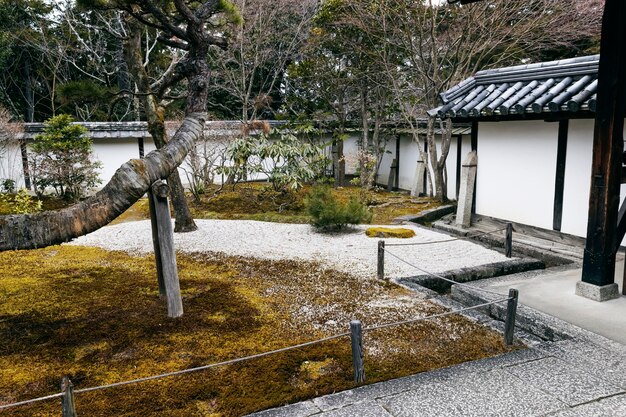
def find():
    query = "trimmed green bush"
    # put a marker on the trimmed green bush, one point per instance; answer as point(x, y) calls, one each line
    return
point(328, 214)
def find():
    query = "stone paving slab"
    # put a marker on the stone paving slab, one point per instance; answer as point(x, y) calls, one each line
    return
point(302, 409)
point(494, 393)
point(609, 364)
point(612, 406)
point(569, 384)
point(365, 409)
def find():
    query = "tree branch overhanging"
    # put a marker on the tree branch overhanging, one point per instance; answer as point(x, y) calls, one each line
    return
point(129, 183)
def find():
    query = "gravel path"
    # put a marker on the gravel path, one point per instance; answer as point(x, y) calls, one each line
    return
point(352, 252)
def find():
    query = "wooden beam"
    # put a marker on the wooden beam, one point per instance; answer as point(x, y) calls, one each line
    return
point(474, 137)
point(474, 141)
point(141, 148)
point(608, 147)
point(459, 156)
point(559, 184)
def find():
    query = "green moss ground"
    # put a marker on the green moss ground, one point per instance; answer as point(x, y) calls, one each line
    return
point(96, 316)
point(253, 201)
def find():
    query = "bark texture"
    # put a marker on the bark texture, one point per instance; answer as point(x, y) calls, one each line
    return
point(129, 183)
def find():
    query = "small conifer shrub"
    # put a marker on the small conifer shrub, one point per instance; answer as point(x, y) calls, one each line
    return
point(328, 214)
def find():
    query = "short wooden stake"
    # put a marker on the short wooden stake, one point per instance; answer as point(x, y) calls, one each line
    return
point(511, 312)
point(508, 242)
point(356, 337)
point(164, 250)
point(67, 400)
point(381, 259)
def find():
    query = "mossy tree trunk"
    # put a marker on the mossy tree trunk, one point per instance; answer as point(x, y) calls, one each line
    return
point(156, 122)
point(129, 183)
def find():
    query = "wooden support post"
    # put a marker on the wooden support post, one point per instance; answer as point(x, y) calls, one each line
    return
point(25, 167)
point(156, 245)
point(67, 400)
point(559, 185)
point(511, 312)
point(381, 260)
point(392, 175)
point(508, 242)
point(356, 337)
point(608, 144)
point(624, 279)
point(141, 148)
point(166, 255)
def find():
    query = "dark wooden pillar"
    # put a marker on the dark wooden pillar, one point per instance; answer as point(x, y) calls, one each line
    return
point(599, 258)
point(459, 156)
point(141, 147)
point(559, 184)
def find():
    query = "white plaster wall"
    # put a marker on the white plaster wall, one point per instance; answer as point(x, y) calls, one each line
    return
point(409, 155)
point(408, 161)
point(577, 177)
point(112, 153)
point(11, 164)
point(516, 171)
point(350, 152)
point(385, 163)
point(466, 147)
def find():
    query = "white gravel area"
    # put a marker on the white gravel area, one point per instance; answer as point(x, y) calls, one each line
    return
point(352, 252)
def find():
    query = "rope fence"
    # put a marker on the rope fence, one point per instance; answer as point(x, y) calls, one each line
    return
point(382, 248)
point(468, 237)
point(356, 337)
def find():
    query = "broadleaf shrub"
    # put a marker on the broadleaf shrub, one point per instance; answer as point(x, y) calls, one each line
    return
point(21, 203)
point(329, 214)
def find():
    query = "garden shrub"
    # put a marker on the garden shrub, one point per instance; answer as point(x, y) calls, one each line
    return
point(286, 161)
point(328, 214)
point(21, 203)
point(62, 159)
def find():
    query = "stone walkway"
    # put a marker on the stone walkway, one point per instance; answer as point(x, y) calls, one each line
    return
point(577, 373)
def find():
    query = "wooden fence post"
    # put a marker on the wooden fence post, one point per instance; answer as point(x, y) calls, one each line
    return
point(356, 337)
point(164, 249)
point(511, 312)
point(508, 242)
point(67, 400)
point(381, 259)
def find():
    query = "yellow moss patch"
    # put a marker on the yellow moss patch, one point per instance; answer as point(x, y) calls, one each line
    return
point(388, 232)
point(96, 316)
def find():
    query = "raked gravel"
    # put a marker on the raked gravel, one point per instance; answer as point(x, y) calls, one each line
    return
point(352, 251)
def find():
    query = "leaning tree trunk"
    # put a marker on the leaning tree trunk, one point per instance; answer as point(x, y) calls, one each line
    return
point(156, 124)
point(129, 183)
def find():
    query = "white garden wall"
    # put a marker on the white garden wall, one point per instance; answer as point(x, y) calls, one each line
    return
point(516, 171)
point(409, 155)
point(11, 163)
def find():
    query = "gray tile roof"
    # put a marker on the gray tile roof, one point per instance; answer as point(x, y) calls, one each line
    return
point(568, 85)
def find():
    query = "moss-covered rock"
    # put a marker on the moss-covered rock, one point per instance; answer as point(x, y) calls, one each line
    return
point(388, 232)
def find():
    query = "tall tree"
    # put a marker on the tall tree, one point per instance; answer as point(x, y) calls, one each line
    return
point(438, 45)
point(188, 26)
point(338, 78)
point(248, 75)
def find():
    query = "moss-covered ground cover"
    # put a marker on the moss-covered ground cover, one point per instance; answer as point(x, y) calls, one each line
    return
point(254, 201)
point(95, 316)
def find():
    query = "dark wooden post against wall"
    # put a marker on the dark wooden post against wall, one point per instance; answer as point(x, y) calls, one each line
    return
point(599, 258)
